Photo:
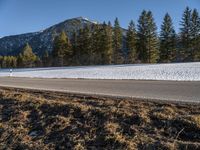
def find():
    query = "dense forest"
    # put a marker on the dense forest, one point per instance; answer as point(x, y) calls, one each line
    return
point(102, 44)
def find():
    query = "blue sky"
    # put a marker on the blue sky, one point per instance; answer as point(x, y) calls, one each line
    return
point(21, 16)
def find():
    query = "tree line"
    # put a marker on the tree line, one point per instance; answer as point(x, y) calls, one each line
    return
point(25, 59)
point(102, 44)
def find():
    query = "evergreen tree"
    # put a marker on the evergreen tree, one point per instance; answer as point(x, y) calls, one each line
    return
point(142, 37)
point(8, 62)
point(38, 62)
point(75, 54)
point(109, 24)
point(84, 46)
point(19, 61)
point(118, 57)
point(107, 49)
point(87, 44)
point(195, 32)
point(186, 36)
point(46, 59)
point(68, 53)
point(147, 38)
point(1, 59)
point(96, 38)
point(102, 44)
point(167, 40)
point(28, 58)
point(4, 62)
point(131, 43)
point(61, 50)
point(13, 62)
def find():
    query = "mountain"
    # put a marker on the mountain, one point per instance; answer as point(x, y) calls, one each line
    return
point(42, 40)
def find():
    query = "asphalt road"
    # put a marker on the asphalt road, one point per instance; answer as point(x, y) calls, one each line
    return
point(155, 90)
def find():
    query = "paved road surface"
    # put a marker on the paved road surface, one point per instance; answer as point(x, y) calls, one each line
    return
point(159, 90)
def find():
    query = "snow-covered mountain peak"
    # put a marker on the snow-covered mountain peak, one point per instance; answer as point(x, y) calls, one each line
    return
point(85, 19)
point(43, 40)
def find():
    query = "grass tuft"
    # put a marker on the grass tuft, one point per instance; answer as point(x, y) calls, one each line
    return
point(50, 120)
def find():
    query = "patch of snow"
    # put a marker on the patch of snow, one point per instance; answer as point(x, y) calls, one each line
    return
point(95, 22)
point(174, 72)
point(41, 31)
point(86, 19)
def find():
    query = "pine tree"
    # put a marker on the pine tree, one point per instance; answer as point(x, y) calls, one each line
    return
point(75, 54)
point(96, 39)
point(8, 62)
point(186, 36)
point(107, 44)
point(131, 43)
point(142, 37)
point(1, 59)
point(109, 24)
point(167, 40)
point(195, 32)
point(118, 57)
point(20, 61)
point(88, 51)
point(147, 38)
point(61, 50)
point(68, 53)
point(4, 62)
point(102, 44)
point(38, 62)
point(58, 50)
point(28, 57)
point(46, 59)
point(84, 46)
point(13, 62)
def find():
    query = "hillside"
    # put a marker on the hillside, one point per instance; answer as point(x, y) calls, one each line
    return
point(42, 40)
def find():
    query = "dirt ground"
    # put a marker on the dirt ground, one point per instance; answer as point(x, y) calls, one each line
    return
point(50, 120)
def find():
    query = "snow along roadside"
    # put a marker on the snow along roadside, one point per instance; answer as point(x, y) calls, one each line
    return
point(174, 72)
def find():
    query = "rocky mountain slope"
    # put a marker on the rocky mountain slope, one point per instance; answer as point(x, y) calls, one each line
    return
point(41, 41)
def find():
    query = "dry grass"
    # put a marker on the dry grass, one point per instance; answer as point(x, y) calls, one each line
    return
point(48, 120)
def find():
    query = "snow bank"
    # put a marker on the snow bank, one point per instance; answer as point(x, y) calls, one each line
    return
point(175, 72)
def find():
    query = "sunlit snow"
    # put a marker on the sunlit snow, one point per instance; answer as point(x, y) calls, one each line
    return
point(175, 71)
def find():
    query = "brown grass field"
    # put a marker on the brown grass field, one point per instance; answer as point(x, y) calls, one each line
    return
point(51, 120)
